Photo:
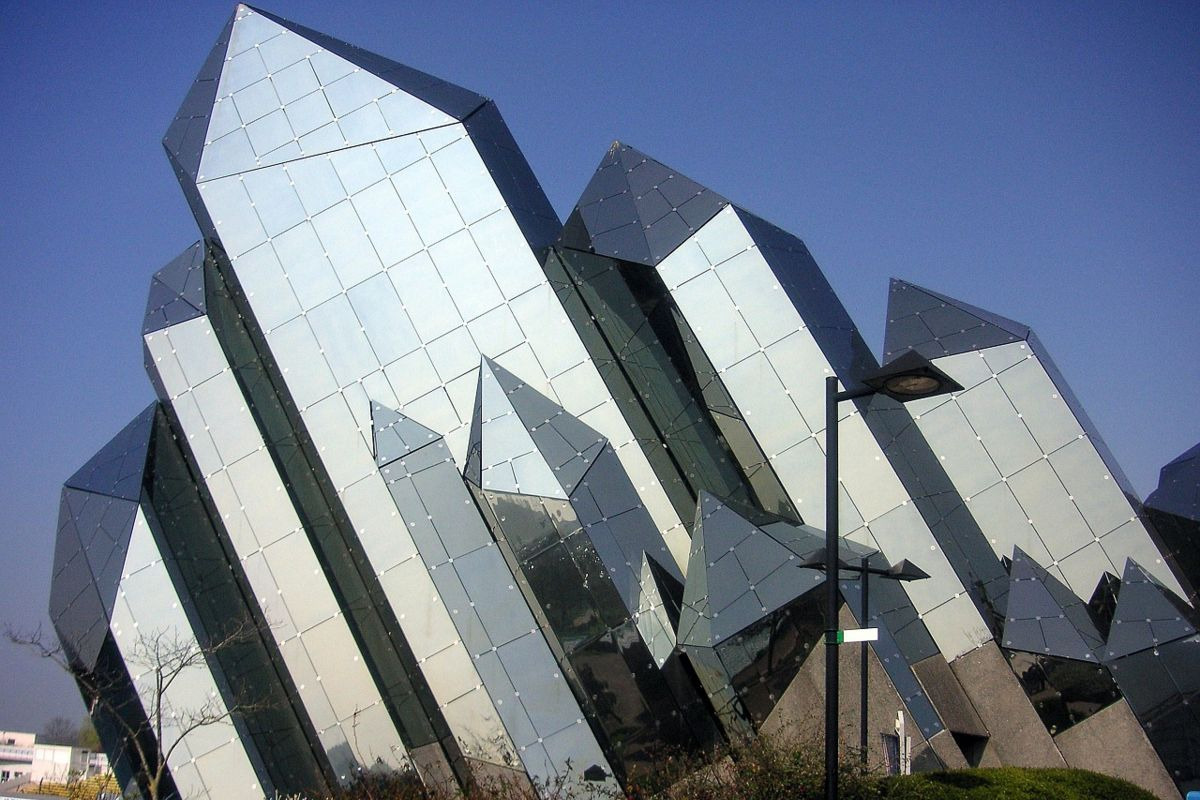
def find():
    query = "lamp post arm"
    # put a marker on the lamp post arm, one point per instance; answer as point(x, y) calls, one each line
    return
point(853, 394)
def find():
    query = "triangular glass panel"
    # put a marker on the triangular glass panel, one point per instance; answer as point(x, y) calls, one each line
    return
point(506, 441)
point(1147, 615)
point(640, 210)
point(116, 470)
point(565, 446)
point(935, 325)
point(1103, 603)
point(176, 291)
point(396, 436)
point(1045, 617)
point(473, 466)
point(655, 622)
point(746, 572)
point(694, 615)
point(668, 586)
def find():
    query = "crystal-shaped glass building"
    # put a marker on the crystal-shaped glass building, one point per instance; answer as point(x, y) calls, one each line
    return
point(435, 482)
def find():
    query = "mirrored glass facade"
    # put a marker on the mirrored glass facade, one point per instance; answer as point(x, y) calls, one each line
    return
point(448, 486)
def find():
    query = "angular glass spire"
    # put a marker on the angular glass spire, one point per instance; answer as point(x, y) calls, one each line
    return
point(523, 443)
point(738, 573)
point(176, 291)
point(1044, 616)
point(96, 516)
point(935, 325)
point(188, 132)
point(273, 91)
point(1147, 615)
point(638, 209)
point(116, 470)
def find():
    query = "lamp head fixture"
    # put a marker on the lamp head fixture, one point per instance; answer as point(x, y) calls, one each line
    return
point(911, 377)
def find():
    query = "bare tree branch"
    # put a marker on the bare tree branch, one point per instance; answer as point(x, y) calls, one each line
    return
point(156, 661)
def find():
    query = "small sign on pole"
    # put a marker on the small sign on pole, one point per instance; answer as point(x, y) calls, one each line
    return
point(858, 635)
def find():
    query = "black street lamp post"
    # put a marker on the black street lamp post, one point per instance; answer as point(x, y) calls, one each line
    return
point(903, 571)
point(909, 377)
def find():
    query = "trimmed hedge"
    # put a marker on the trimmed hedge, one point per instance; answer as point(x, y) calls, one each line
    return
point(1011, 783)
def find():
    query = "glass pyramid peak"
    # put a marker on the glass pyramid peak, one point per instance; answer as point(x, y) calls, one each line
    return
point(523, 442)
point(935, 325)
point(272, 91)
point(116, 470)
point(638, 209)
point(1044, 616)
point(176, 291)
point(1147, 615)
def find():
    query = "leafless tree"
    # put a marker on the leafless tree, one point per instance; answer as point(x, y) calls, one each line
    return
point(156, 661)
point(59, 730)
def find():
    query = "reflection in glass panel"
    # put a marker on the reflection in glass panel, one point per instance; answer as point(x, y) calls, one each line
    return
point(636, 712)
point(1063, 691)
point(762, 660)
point(667, 390)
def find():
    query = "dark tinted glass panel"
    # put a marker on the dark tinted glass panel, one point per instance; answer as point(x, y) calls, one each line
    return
point(120, 718)
point(765, 657)
point(525, 523)
point(563, 598)
point(596, 580)
point(1063, 691)
point(1162, 686)
point(632, 702)
point(1179, 536)
point(1103, 604)
point(609, 688)
point(668, 718)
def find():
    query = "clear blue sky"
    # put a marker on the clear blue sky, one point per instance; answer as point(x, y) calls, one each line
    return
point(1039, 160)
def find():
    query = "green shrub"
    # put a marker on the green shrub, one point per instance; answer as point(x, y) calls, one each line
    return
point(1011, 783)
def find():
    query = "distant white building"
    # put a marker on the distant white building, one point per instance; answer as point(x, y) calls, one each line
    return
point(22, 757)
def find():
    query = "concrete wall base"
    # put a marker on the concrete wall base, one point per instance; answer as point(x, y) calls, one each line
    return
point(800, 712)
point(1017, 736)
point(1112, 742)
